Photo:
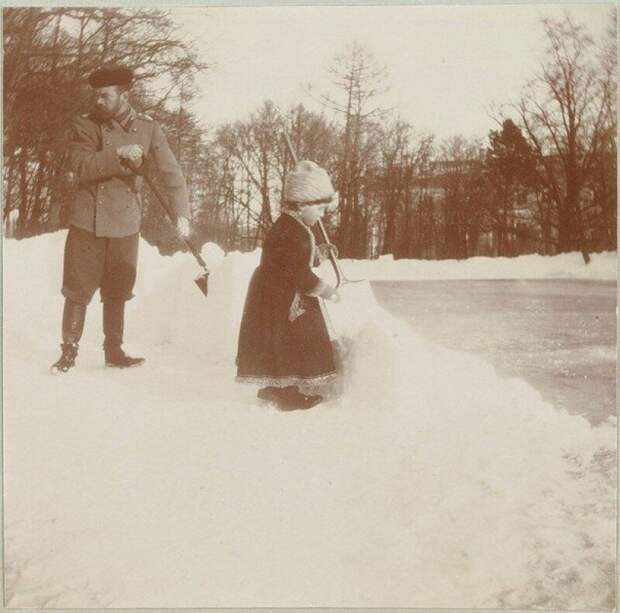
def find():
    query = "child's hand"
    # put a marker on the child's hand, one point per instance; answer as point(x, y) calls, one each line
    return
point(323, 251)
point(330, 293)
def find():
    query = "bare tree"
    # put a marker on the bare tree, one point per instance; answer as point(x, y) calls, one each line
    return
point(257, 162)
point(254, 144)
point(359, 79)
point(602, 211)
point(459, 171)
point(403, 154)
point(563, 112)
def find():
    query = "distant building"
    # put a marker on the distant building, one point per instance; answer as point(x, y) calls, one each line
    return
point(527, 225)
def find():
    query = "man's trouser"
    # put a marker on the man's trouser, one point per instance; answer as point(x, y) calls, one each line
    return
point(92, 263)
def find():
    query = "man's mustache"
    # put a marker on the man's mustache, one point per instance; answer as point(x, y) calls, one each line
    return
point(102, 112)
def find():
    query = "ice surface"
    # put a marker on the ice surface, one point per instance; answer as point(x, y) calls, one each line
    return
point(557, 334)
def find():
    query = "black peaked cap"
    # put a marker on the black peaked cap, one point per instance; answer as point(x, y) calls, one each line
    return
point(111, 74)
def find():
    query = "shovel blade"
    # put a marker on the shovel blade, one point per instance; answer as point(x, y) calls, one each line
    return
point(203, 283)
point(357, 307)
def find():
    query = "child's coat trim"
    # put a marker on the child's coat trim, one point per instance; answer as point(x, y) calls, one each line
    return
point(297, 309)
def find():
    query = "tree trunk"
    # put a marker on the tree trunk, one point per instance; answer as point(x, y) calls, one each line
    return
point(23, 206)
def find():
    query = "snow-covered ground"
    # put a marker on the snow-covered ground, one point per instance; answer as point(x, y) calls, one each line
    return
point(429, 481)
point(565, 266)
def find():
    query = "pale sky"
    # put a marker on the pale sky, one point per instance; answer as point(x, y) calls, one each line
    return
point(447, 64)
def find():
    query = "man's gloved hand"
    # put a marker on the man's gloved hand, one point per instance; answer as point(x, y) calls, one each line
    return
point(324, 249)
point(132, 153)
point(183, 227)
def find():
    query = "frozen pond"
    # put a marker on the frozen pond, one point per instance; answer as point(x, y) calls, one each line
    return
point(558, 335)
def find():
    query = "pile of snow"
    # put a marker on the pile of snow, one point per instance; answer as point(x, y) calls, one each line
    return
point(603, 266)
point(431, 482)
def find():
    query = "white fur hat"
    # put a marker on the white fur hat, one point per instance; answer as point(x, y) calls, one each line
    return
point(308, 183)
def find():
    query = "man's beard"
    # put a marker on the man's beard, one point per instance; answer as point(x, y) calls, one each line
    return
point(106, 114)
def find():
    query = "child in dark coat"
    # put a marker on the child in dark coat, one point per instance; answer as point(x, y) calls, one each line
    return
point(283, 340)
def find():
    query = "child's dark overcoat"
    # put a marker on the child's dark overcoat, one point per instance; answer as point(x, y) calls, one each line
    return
point(283, 338)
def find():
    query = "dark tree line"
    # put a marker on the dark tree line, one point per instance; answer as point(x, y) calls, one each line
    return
point(543, 181)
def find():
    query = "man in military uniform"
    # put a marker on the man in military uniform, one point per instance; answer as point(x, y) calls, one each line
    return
point(101, 249)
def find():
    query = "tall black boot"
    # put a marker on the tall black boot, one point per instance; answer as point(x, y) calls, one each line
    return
point(113, 323)
point(73, 317)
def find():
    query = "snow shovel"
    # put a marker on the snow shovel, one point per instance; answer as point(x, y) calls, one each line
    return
point(202, 280)
point(340, 277)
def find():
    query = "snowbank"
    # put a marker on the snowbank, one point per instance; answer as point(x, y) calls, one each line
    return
point(603, 266)
point(430, 482)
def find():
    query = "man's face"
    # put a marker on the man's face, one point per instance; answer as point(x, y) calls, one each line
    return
point(109, 101)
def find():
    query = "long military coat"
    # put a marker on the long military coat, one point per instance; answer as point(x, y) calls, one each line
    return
point(106, 200)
